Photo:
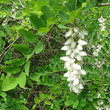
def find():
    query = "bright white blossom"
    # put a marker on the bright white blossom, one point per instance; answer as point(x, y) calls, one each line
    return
point(102, 23)
point(101, 105)
point(99, 95)
point(74, 53)
point(69, 33)
point(96, 49)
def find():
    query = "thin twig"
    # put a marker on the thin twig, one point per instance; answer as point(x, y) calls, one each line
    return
point(7, 49)
point(76, 4)
point(21, 4)
point(104, 4)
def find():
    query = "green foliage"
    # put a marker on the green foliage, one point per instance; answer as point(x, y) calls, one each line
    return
point(11, 69)
point(22, 79)
point(39, 47)
point(17, 62)
point(22, 48)
point(9, 83)
point(31, 72)
point(28, 36)
point(36, 21)
point(27, 67)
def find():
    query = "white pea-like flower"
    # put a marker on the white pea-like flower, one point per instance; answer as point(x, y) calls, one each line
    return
point(82, 42)
point(76, 66)
point(82, 34)
point(69, 33)
point(68, 52)
point(64, 58)
point(73, 44)
point(74, 57)
point(83, 72)
point(102, 23)
point(76, 82)
point(82, 53)
point(101, 20)
point(65, 48)
point(79, 58)
point(79, 47)
point(76, 29)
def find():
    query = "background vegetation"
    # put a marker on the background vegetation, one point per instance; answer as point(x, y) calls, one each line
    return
point(31, 36)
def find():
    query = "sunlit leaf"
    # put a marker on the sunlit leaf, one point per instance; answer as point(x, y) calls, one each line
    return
point(9, 83)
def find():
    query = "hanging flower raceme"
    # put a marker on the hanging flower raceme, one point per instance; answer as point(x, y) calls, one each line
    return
point(73, 59)
point(102, 23)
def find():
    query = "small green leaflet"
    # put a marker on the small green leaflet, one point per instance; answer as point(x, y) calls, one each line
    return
point(72, 16)
point(38, 48)
point(29, 56)
point(36, 21)
point(27, 67)
point(17, 62)
point(35, 76)
point(47, 102)
point(61, 26)
point(68, 102)
point(63, 16)
point(11, 69)
point(22, 80)
point(9, 83)
point(90, 5)
point(47, 13)
point(75, 104)
point(22, 48)
point(28, 36)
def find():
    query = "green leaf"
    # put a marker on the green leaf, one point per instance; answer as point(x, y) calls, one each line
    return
point(22, 80)
point(29, 56)
point(17, 62)
point(75, 104)
point(42, 96)
point(47, 102)
point(54, 3)
point(72, 16)
point(39, 47)
point(22, 48)
point(43, 30)
point(82, 1)
point(35, 76)
point(27, 67)
point(70, 6)
point(36, 100)
point(30, 83)
point(28, 36)
point(68, 102)
point(11, 69)
point(83, 102)
point(51, 21)
point(64, 27)
point(36, 21)
point(89, 6)
point(9, 83)
point(63, 16)
point(47, 13)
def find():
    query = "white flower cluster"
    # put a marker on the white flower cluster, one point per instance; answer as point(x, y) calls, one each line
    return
point(96, 49)
point(102, 106)
point(73, 59)
point(14, 12)
point(102, 23)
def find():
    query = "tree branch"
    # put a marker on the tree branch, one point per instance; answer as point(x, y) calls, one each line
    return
point(104, 4)
point(7, 49)
point(21, 4)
